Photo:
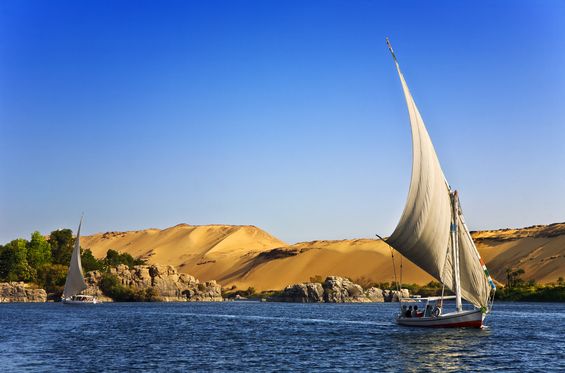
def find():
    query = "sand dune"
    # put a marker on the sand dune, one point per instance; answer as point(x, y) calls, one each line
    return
point(207, 252)
point(350, 258)
point(248, 256)
point(539, 250)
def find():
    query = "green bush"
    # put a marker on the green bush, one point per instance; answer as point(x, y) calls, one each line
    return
point(233, 292)
point(537, 293)
point(115, 258)
point(51, 277)
point(38, 250)
point(111, 287)
point(150, 295)
point(14, 265)
point(61, 242)
point(90, 263)
point(45, 262)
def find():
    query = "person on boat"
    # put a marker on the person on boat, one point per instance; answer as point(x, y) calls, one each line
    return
point(409, 312)
point(437, 309)
point(415, 311)
point(428, 311)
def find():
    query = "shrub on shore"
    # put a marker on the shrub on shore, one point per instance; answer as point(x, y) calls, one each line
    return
point(532, 292)
point(233, 293)
point(517, 289)
point(111, 287)
point(44, 261)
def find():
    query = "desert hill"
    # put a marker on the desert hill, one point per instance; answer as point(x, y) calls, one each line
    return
point(361, 258)
point(539, 250)
point(208, 252)
point(248, 256)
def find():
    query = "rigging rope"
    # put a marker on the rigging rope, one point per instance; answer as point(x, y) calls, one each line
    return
point(400, 272)
point(394, 267)
point(393, 264)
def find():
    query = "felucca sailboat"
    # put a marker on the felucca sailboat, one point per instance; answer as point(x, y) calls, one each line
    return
point(433, 235)
point(75, 280)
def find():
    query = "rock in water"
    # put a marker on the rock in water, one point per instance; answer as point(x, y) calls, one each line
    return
point(168, 284)
point(375, 294)
point(340, 290)
point(403, 293)
point(311, 292)
point(20, 292)
point(394, 295)
point(337, 290)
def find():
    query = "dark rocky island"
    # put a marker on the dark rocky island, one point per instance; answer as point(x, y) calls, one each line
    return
point(337, 290)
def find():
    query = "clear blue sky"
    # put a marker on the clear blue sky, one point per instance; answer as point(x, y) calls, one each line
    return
point(287, 115)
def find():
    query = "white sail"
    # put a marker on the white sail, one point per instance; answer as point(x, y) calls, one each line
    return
point(423, 233)
point(476, 283)
point(75, 280)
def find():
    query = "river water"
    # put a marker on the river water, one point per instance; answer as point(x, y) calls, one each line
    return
point(265, 337)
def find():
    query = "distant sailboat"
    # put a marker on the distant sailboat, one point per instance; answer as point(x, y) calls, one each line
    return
point(75, 279)
point(432, 234)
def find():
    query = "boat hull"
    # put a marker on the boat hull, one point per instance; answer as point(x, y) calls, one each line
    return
point(464, 319)
point(80, 302)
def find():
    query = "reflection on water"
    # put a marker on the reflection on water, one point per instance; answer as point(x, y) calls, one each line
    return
point(431, 349)
point(266, 337)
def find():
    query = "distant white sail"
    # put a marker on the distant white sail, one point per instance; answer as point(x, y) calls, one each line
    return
point(75, 280)
point(423, 233)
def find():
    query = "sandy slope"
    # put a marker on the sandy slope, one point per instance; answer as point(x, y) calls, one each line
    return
point(539, 250)
point(248, 256)
point(208, 252)
point(355, 259)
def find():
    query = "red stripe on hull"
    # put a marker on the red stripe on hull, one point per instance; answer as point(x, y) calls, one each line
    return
point(466, 324)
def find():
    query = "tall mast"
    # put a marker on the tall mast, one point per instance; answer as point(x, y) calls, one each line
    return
point(455, 248)
point(431, 231)
point(390, 49)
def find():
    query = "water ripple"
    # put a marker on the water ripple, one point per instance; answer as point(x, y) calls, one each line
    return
point(271, 337)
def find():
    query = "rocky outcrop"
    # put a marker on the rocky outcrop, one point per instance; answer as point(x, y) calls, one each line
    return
point(92, 280)
point(20, 292)
point(168, 285)
point(337, 290)
point(375, 294)
point(342, 290)
point(311, 292)
point(395, 295)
